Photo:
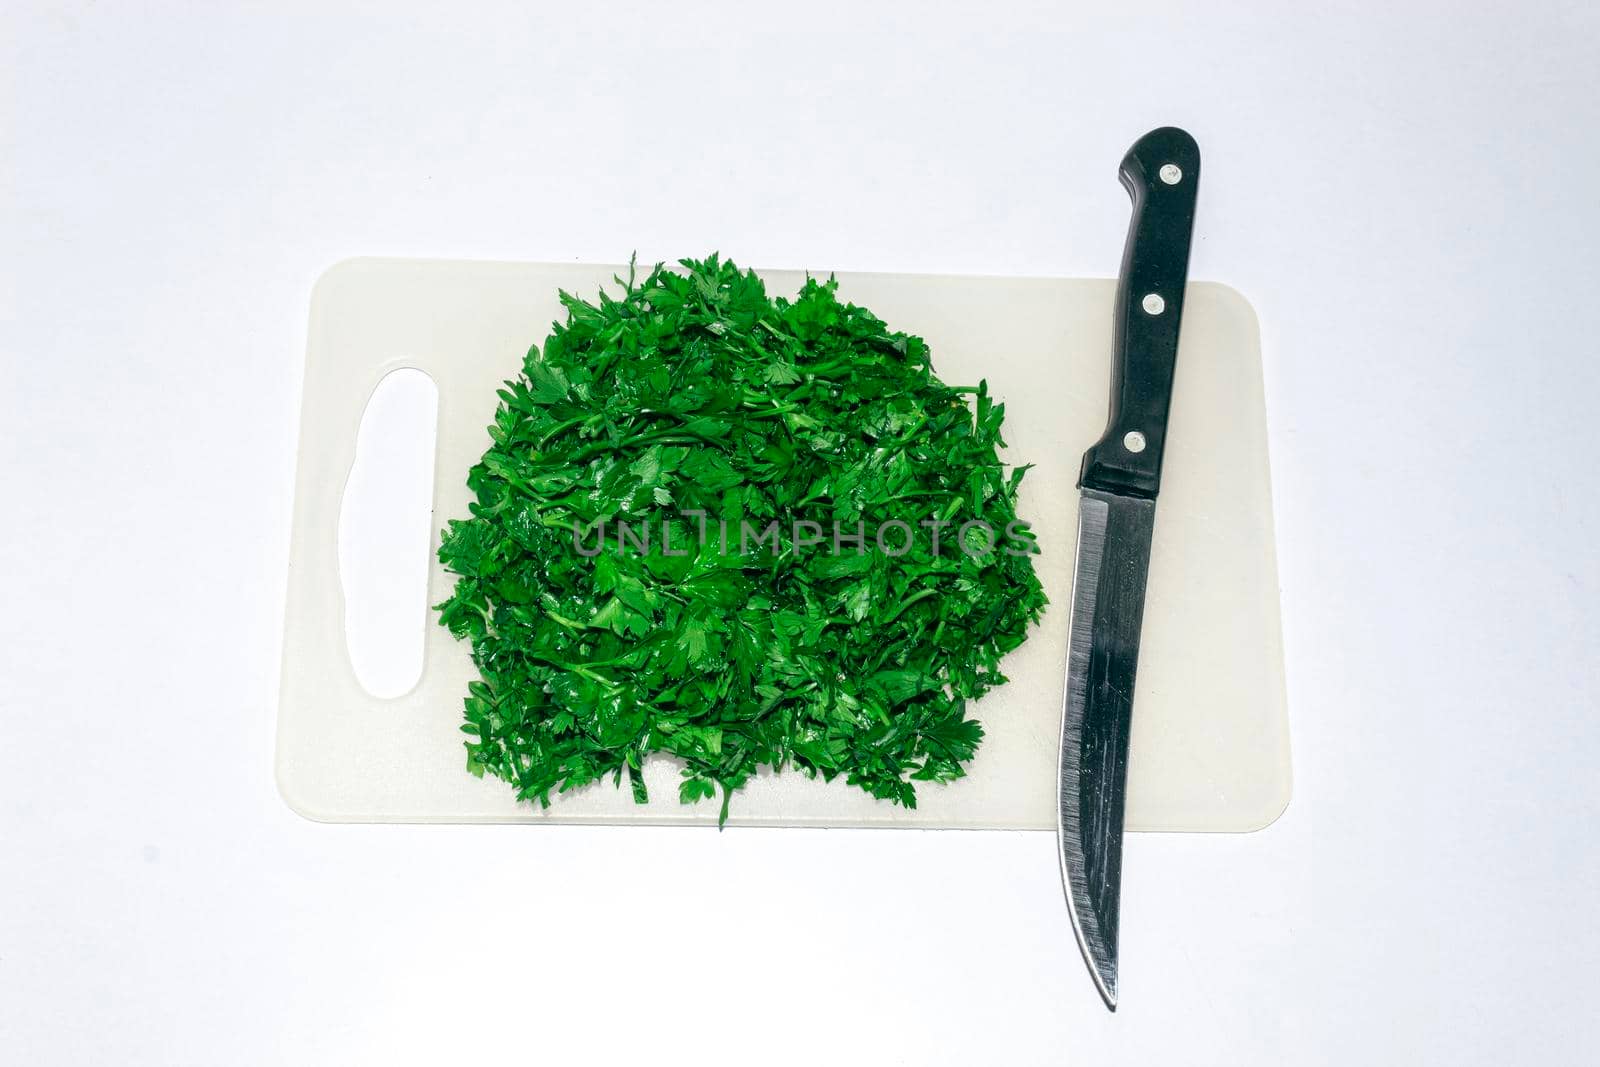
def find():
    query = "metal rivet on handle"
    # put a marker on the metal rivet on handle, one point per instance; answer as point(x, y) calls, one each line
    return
point(1171, 173)
point(1153, 304)
point(1133, 441)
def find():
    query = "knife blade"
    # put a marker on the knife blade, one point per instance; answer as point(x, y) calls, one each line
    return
point(1118, 483)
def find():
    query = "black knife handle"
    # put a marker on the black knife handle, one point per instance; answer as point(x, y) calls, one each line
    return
point(1162, 174)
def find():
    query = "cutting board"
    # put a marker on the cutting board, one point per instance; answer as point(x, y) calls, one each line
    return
point(1210, 748)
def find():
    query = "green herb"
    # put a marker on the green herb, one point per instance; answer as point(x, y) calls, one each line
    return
point(741, 531)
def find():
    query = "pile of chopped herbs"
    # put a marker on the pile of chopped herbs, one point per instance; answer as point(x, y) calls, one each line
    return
point(694, 407)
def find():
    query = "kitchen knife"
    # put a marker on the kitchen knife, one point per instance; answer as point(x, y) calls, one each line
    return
point(1116, 514)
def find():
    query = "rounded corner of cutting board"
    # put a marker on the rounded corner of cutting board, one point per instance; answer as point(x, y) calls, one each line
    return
point(341, 272)
point(1273, 807)
point(299, 795)
point(1233, 302)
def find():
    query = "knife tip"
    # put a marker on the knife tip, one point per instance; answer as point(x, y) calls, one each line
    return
point(1105, 980)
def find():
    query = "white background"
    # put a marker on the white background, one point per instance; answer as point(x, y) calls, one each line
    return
point(1406, 193)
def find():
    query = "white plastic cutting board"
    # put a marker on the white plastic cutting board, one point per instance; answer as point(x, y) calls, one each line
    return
point(1210, 747)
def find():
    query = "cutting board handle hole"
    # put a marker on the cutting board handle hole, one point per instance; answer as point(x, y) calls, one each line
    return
point(386, 533)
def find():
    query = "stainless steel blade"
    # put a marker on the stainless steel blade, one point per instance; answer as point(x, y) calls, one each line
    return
point(1108, 584)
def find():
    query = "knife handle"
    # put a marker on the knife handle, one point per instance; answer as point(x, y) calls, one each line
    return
point(1162, 174)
